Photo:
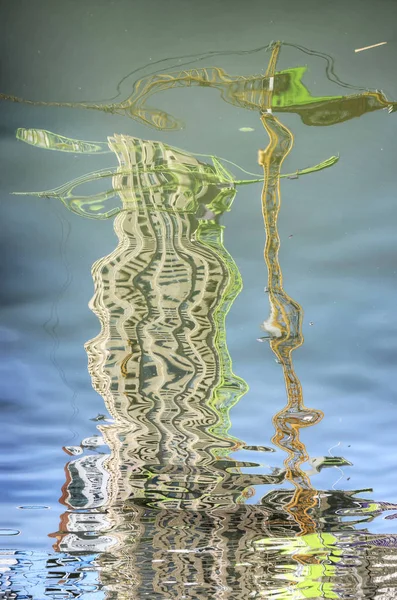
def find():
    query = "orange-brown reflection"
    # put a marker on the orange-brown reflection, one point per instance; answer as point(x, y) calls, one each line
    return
point(284, 326)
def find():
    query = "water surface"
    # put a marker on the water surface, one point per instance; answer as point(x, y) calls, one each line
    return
point(188, 491)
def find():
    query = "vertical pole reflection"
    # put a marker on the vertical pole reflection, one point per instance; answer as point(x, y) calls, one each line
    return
point(284, 325)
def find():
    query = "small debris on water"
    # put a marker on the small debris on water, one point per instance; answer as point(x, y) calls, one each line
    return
point(34, 507)
point(258, 448)
point(99, 417)
point(72, 450)
point(369, 47)
point(246, 129)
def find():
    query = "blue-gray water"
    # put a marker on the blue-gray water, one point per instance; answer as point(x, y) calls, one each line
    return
point(338, 256)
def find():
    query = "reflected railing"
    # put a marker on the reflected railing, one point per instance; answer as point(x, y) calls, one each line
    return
point(167, 511)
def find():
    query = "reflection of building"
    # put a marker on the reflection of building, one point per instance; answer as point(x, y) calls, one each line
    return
point(34, 575)
point(253, 551)
point(243, 551)
point(86, 482)
point(160, 361)
point(228, 553)
point(161, 364)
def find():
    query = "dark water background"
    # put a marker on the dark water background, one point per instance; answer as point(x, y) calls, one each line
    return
point(340, 263)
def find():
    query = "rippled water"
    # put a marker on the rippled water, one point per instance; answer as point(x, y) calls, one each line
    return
point(213, 236)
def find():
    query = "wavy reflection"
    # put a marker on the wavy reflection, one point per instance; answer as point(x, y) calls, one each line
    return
point(161, 361)
point(286, 89)
point(158, 505)
point(168, 169)
point(284, 326)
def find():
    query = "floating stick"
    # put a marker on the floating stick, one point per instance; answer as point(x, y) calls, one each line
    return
point(369, 47)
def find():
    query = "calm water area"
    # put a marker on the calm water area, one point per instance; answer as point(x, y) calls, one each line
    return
point(198, 300)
